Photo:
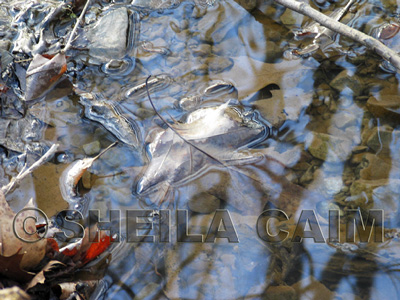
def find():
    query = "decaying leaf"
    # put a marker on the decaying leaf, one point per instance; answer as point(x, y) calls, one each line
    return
point(10, 244)
point(40, 277)
point(389, 31)
point(85, 250)
point(42, 75)
point(10, 267)
point(109, 114)
point(14, 293)
point(218, 131)
point(73, 173)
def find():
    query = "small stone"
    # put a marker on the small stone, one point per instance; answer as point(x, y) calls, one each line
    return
point(320, 2)
point(325, 185)
point(344, 119)
point(92, 148)
point(311, 288)
point(280, 292)
point(290, 18)
point(201, 50)
point(357, 158)
point(328, 147)
point(272, 110)
point(144, 113)
point(308, 176)
point(204, 203)
point(380, 139)
point(366, 187)
point(359, 149)
point(218, 64)
point(247, 4)
point(301, 166)
point(292, 177)
point(375, 168)
point(5, 44)
point(86, 180)
point(345, 80)
point(385, 106)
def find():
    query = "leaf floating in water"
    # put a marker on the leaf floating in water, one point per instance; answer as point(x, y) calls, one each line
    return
point(43, 74)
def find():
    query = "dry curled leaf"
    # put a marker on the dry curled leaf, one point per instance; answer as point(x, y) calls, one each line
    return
point(40, 277)
point(10, 244)
point(14, 293)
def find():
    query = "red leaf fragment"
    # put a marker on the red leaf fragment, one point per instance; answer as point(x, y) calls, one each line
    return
point(85, 251)
point(389, 31)
point(96, 249)
point(3, 88)
point(70, 252)
point(53, 244)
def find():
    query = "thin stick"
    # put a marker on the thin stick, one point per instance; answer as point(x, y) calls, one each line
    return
point(345, 30)
point(68, 45)
point(17, 180)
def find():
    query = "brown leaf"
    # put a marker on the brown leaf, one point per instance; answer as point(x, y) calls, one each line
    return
point(43, 74)
point(41, 276)
point(10, 244)
point(10, 268)
point(14, 293)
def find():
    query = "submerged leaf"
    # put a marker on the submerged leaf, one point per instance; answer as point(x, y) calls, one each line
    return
point(217, 131)
point(43, 74)
point(73, 173)
point(249, 75)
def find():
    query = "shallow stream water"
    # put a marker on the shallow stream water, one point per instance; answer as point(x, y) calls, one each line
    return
point(319, 131)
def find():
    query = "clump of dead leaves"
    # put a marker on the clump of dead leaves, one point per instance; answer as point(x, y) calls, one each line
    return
point(41, 270)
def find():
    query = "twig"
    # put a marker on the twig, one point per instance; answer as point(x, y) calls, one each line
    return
point(68, 45)
point(17, 180)
point(345, 30)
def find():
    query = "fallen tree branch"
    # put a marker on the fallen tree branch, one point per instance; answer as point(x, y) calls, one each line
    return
point(362, 38)
point(25, 172)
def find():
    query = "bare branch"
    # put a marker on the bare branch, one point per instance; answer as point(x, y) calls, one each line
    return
point(343, 29)
point(25, 172)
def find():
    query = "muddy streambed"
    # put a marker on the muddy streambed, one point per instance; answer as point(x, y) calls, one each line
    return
point(262, 118)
